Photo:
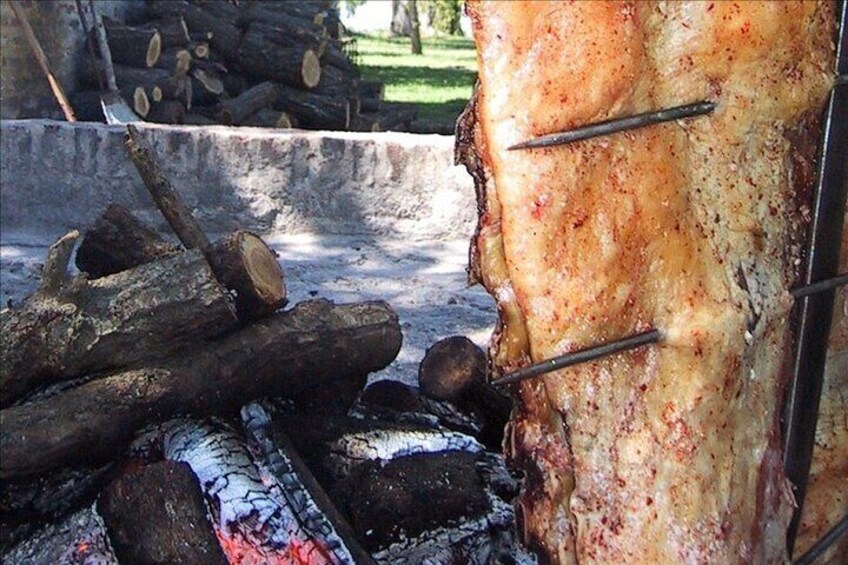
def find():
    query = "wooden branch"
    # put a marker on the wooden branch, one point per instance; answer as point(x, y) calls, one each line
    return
point(166, 198)
point(54, 275)
point(39, 55)
point(117, 321)
point(157, 515)
point(314, 343)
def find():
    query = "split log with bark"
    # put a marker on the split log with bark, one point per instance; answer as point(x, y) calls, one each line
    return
point(72, 326)
point(285, 354)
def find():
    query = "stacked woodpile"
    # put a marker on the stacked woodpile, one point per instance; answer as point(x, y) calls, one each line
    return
point(161, 407)
point(257, 63)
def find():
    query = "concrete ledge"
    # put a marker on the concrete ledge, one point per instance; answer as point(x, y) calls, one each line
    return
point(56, 176)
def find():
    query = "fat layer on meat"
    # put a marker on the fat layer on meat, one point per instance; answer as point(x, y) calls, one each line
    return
point(669, 453)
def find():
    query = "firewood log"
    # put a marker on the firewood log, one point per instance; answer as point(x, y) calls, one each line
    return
point(454, 370)
point(390, 502)
point(312, 110)
point(173, 31)
point(208, 80)
point(285, 354)
point(371, 89)
point(157, 515)
point(235, 110)
point(335, 57)
point(242, 259)
point(156, 83)
point(132, 46)
point(175, 60)
point(72, 326)
point(119, 241)
point(280, 18)
point(295, 66)
point(223, 36)
point(199, 49)
point(290, 36)
point(268, 118)
point(167, 112)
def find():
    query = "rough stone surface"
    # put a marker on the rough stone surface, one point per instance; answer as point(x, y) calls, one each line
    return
point(56, 176)
point(352, 216)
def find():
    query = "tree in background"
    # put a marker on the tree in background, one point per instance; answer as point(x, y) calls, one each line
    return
point(444, 15)
point(415, 33)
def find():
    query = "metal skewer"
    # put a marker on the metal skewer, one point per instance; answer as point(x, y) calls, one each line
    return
point(616, 125)
point(633, 341)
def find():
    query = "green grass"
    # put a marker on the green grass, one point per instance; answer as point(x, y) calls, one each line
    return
point(440, 81)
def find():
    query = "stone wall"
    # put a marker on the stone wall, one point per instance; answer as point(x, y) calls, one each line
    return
point(56, 176)
point(24, 92)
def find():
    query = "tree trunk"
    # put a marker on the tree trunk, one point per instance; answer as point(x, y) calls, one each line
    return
point(236, 110)
point(72, 327)
point(285, 354)
point(312, 110)
point(264, 60)
point(401, 26)
point(119, 241)
point(415, 28)
point(157, 515)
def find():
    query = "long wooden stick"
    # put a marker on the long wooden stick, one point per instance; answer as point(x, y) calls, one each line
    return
point(167, 200)
point(38, 52)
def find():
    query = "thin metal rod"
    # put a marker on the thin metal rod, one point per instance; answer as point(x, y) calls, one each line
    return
point(821, 286)
point(839, 530)
point(580, 356)
point(616, 125)
point(634, 341)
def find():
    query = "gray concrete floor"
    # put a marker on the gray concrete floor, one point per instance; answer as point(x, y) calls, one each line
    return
point(423, 280)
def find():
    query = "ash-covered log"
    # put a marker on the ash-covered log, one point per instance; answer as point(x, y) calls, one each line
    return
point(73, 326)
point(284, 354)
point(156, 515)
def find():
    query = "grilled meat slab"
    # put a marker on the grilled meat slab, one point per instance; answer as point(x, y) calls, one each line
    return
point(669, 453)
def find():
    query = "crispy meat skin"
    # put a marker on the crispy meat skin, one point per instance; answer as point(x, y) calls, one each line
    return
point(670, 453)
